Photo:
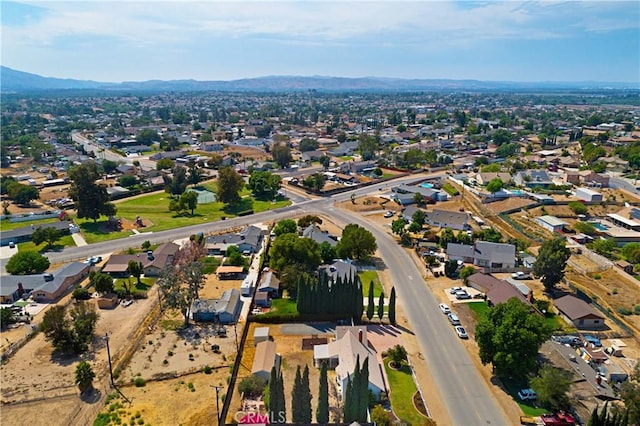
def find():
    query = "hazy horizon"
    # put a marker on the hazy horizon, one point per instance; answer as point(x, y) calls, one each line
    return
point(505, 41)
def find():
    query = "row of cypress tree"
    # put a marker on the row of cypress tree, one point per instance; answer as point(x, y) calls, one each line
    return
point(340, 298)
point(356, 401)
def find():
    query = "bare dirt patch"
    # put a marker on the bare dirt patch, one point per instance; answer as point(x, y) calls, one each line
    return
point(248, 151)
point(368, 203)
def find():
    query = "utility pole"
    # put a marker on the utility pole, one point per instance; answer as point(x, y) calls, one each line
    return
point(217, 388)
point(106, 339)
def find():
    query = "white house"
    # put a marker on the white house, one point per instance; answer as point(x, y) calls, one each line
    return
point(484, 254)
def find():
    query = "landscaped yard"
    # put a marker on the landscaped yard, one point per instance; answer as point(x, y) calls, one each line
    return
point(450, 189)
point(480, 309)
point(145, 283)
point(5, 225)
point(96, 232)
point(365, 278)
point(402, 388)
point(283, 306)
point(64, 241)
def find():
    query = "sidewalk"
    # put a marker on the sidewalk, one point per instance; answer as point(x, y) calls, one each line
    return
point(78, 239)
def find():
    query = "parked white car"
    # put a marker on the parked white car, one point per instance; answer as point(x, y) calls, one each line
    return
point(462, 333)
point(445, 309)
point(521, 276)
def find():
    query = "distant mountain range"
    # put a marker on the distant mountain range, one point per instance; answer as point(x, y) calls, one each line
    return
point(18, 81)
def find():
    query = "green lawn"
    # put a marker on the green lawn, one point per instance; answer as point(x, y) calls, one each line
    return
point(480, 309)
point(210, 264)
point(346, 158)
point(365, 278)
point(401, 390)
point(64, 241)
point(283, 306)
point(450, 189)
point(5, 225)
point(145, 283)
point(557, 323)
point(155, 208)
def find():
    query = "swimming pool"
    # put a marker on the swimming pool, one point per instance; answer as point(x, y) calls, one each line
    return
point(599, 226)
point(426, 185)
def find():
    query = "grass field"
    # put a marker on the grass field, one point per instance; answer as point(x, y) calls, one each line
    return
point(480, 309)
point(402, 388)
point(64, 241)
point(155, 209)
point(5, 225)
point(283, 306)
point(145, 283)
point(366, 277)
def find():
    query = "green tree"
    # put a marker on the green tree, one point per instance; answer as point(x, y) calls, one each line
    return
point(501, 136)
point(370, 303)
point(27, 262)
point(368, 146)
point(392, 306)
point(179, 287)
point(103, 283)
point(309, 219)
point(322, 410)
point(418, 217)
point(281, 154)
point(70, 334)
point(305, 406)
point(189, 200)
point(397, 355)
point(552, 386)
point(6, 318)
point(135, 269)
point(84, 376)
point(381, 306)
point(398, 226)
point(127, 181)
point(586, 228)
point(327, 252)
point(229, 185)
point(26, 194)
point(356, 243)
point(577, 207)
point(252, 386)
point(290, 255)
point(91, 199)
point(194, 175)
point(177, 184)
point(603, 246)
point(147, 136)
point(45, 233)
point(451, 268)
point(308, 144)
point(164, 164)
point(285, 226)
point(551, 261)
point(495, 185)
point(510, 336)
point(466, 272)
point(264, 184)
point(109, 166)
point(296, 397)
point(446, 237)
point(380, 416)
point(234, 256)
point(325, 161)
point(315, 181)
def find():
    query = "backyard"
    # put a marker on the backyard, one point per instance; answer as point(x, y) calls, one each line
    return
point(366, 277)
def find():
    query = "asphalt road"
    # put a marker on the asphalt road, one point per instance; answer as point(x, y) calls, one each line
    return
point(463, 391)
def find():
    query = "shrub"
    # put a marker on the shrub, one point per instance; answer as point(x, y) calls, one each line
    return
point(597, 277)
point(636, 310)
point(206, 369)
point(170, 353)
point(624, 311)
point(81, 293)
point(139, 382)
point(614, 291)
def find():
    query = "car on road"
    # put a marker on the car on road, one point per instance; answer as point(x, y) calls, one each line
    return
point(444, 308)
point(454, 290)
point(389, 214)
point(93, 260)
point(593, 340)
point(453, 319)
point(462, 333)
point(527, 394)
point(521, 276)
point(12, 244)
point(462, 294)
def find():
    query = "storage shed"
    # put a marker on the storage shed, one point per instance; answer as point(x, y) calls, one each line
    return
point(260, 334)
point(588, 195)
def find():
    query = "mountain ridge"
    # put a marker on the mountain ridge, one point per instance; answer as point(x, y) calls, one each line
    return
point(12, 80)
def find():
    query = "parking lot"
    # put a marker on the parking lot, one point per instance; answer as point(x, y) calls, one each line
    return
point(472, 292)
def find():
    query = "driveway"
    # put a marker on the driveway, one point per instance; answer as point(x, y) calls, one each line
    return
point(6, 252)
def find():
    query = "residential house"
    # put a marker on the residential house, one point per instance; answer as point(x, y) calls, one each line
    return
point(484, 254)
point(344, 149)
point(502, 291)
point(43, 287)
point(403, 199)
point(551, 223)
point(408, 212)
point(265, 359)
point(579, 313)
point(309, 156)
point(598, 180)
point(24, 233)
point(212, 146)
point(342, 269)
point(316, 234)
point(172, 155)
point(225, 310)
point(533, 179)
point(126, 169)
point(357, 167)
point(428, 193)
point(458, 221)
point(247, 240)
point(349, 347)
point(269, 283)
point(616, 164)
point(482, 282)
point(152, 263)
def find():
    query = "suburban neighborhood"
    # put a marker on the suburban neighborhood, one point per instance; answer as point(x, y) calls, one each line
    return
point(181, 258)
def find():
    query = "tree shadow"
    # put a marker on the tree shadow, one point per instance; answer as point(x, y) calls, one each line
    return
point(91, 396)
point(64, 359)
point(241, 206)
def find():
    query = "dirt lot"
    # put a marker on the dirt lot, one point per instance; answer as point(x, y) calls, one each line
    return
point(368, 203)
point(248, 151)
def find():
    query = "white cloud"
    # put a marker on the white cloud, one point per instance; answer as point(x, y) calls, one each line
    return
point(147, 23)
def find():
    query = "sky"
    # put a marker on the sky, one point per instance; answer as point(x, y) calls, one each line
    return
point(118, 40)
